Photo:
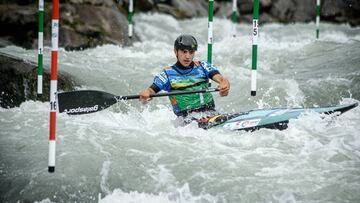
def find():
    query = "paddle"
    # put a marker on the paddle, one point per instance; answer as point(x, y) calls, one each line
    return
point(90, 101)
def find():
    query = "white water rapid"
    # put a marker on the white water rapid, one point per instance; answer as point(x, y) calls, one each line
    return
point(134, 153)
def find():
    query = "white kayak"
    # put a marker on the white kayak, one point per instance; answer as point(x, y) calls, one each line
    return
point(275, 118)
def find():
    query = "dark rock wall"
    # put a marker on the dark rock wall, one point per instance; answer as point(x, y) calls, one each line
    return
point(18, 24)
point(83, 24)
point(89, 23)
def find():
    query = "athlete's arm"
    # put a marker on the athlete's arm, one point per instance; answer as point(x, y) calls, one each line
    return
point(145, 95)
point(160, 82)
point(224, 84)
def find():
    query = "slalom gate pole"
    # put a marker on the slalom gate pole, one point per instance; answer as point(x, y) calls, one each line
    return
point(210, 35)
point(254, 46)
point(130, 17)
point(317, 18)
point(234, 17)
point(210, 29)
point(40, 48)
point(53, 83)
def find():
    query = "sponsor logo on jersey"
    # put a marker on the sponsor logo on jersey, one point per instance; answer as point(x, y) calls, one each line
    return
point(162, 76)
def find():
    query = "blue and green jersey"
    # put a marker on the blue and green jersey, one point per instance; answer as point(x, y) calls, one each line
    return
point(195, 77)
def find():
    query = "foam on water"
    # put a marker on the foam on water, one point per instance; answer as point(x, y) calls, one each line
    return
point(136, 153)
point(159, 157)
point(180, 195)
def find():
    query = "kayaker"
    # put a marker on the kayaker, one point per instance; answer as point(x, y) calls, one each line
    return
point(187, 74)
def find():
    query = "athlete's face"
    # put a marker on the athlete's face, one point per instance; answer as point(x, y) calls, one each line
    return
point(185, 57)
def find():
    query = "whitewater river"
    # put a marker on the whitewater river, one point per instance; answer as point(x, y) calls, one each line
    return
point(134, 153)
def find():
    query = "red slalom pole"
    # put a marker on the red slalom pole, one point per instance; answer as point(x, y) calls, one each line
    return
point(53, 83)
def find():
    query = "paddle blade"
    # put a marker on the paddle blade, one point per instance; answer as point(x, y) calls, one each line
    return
point(84, 101)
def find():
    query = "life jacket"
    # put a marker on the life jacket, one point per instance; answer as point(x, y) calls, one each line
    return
point(186, 80)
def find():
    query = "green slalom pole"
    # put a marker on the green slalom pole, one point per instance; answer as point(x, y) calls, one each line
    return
point(254, 46)
point(40, 48)
point(234, 17)
point(210, 33)
point(210, 29)
point(317, 18)
point(130, 18)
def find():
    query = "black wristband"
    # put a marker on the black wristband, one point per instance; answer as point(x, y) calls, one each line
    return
point(213, 73)
point(155, 88)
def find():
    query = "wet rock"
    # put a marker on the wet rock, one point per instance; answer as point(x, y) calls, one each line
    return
point(87, 26)
point(18, 24)
point(284, 10)
point(188, 9)
point(18, 81)
point(143, 5)
point(341, 11)
point(83, 24)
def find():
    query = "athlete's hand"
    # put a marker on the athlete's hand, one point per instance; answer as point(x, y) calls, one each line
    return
point(145, 95)
point(224, 84)
point(224, 87)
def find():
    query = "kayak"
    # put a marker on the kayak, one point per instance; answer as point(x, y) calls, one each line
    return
point(91, 101)
point(275, 118)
